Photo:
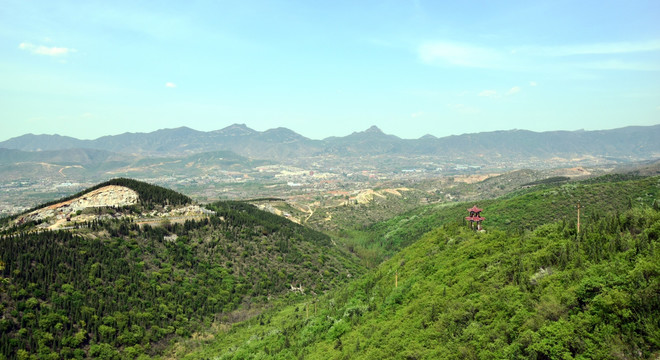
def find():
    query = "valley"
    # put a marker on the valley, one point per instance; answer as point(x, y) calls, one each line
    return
point(218, 255)
point(300, 180)
point(241, 163)
point(286, 285)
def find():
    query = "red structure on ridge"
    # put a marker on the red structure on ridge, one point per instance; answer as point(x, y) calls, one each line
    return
point(475, 217)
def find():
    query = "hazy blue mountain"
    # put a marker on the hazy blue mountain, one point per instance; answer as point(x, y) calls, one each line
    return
point(75, 156)
point(160, 142)
point(635, 142)
point(32, 142)
point(77, 164)
point(372, 141)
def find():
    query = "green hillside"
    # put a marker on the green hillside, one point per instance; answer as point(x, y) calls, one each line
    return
point(521, 210)
point(112, 289)
point(549, 293)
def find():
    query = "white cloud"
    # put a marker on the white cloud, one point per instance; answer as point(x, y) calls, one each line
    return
point(45, 50)
point(170, 84)
point(489, 93)
point(595, 56)
point(514, 90)
point(446, 53)
point(618, 65)
point(533, 83)
point(417, 114)
point(598, 49)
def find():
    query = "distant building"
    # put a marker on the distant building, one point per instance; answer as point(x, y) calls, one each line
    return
point(475, 217)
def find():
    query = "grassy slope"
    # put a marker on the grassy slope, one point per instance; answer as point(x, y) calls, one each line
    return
point(540, 294)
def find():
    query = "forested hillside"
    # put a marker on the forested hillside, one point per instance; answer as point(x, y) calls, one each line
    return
point(531, 286)
point(518, 211)
point(457, 294)
point(113, 289)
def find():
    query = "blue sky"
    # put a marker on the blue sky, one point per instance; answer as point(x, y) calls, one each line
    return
point(88, 69)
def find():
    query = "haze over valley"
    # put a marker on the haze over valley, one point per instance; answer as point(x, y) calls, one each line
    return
point(329, 180)
point(296, 262)
point(241, 163)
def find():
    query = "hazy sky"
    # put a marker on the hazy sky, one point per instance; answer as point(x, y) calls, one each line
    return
point(327, 68)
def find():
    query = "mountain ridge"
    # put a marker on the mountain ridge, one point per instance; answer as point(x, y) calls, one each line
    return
point(634, 142)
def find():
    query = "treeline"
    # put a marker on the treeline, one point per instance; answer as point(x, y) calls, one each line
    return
point(550, 180)
point(114, 289)
point(149, 194)
point(613, 178)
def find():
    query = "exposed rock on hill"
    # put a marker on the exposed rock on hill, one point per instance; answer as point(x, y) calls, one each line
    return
point(111, 195)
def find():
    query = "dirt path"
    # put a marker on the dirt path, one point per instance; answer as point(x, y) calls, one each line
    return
point(311, 213)
point(70, 166)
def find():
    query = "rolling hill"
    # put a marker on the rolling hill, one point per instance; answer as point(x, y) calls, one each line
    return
point(546, 293)
point(519, 211)
point(127, 280)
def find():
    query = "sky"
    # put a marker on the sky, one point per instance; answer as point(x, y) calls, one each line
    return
point(327, 68)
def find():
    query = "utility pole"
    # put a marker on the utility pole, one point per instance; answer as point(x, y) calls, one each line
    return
point(396, 279)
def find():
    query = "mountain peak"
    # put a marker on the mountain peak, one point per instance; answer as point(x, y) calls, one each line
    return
point(177, 131)
point(236, 130)
point(374, 129)
point(280, 130)
point(281, 134)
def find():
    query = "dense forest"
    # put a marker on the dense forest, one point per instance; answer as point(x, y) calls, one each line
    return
point(551, 293)
point(113, 289)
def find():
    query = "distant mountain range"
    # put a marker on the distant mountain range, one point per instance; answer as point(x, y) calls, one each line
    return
point(629, 143)
point(91, 164)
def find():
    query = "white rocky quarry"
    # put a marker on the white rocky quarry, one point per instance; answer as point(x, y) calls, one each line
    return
point(185, 211)
point(66, 214)
point(191, 210)
point(111, 195)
